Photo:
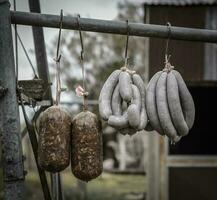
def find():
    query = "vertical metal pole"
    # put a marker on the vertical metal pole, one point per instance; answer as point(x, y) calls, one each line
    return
point(40, 50)
point(61, 192)
point(43, 71)
point(13, 175)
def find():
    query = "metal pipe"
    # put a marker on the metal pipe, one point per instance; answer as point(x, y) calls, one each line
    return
point(55, 185)
point(11, 146)
point(115, 27)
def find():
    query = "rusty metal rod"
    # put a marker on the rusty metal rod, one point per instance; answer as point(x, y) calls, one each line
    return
point(115, 27)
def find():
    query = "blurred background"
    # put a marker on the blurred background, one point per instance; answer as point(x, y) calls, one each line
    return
point(144, 166)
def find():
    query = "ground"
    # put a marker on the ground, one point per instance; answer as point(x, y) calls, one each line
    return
point(106, 187)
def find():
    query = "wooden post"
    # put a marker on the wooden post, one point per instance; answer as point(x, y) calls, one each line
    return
point(13, 174)
point(153, 167)
point(210, 54)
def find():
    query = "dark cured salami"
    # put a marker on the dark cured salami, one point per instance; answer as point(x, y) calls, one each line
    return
point(86, 147)
point(54, 139)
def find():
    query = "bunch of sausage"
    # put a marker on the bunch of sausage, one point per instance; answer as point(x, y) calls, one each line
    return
point(122, 102)
point(165, 105)
point(169, 105)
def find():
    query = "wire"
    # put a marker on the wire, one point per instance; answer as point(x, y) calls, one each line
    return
point(27, 56)
point(16, 50)
point(168, 39)
point(57, 59)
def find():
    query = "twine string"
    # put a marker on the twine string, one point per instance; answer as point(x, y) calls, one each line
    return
point(168, 66)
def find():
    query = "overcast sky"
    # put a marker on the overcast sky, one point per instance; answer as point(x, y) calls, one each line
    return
point(92, 8)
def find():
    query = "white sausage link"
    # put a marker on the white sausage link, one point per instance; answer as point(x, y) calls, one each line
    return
point(105, 109)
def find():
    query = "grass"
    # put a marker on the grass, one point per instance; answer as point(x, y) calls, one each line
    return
point(105, 187)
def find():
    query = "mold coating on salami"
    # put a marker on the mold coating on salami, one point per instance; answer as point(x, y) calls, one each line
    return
point(125, 87)
point(54, 139)
point(86, 146)
point(105, 97)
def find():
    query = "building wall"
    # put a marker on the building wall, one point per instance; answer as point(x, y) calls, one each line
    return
point(187, 57)
point(210, 61)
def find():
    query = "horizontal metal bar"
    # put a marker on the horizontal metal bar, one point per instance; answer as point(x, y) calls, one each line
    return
point(115, 27)
point(191, 161)
point(125, 172)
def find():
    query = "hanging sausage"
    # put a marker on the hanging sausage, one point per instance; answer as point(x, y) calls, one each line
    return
point(86, 138)
point(170, 106)
point(124, 87)
point(54, 139)
point(86, 146)
point(122, 100)
point(54, 130)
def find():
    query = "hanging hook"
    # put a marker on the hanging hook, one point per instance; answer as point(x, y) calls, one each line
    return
point(57, 59)
point(59, 37)
point(80, 34)
point(126, 47)
point(168, 66)
point(84, 93)
point(167, 57)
